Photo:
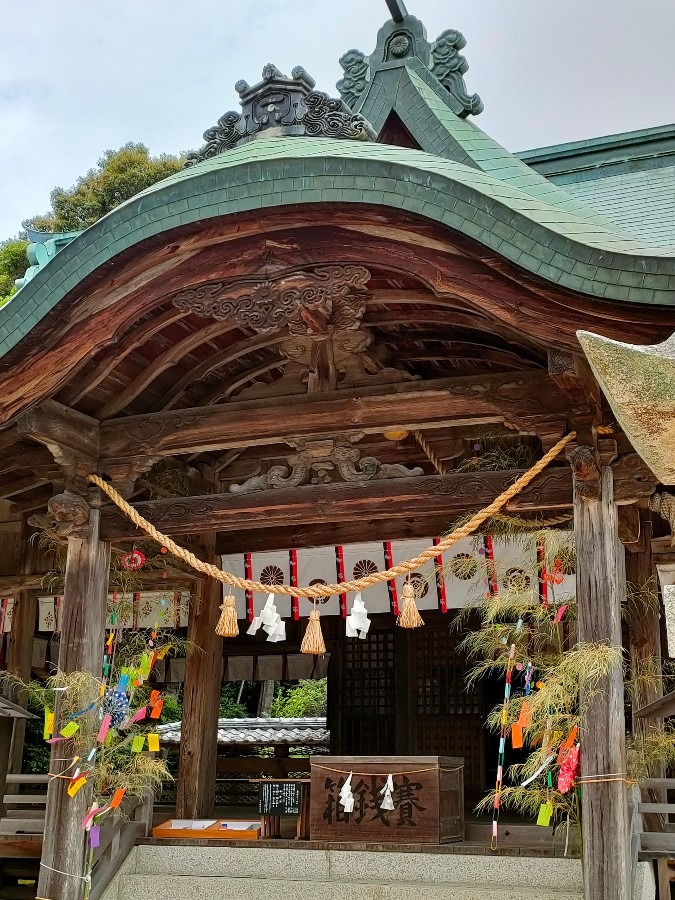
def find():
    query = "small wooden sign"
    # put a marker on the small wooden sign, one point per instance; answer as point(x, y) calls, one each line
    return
point(427, 796)
point(279, 798)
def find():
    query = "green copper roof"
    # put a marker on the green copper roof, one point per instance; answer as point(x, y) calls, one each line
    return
point(547, 239)
point(627, 178)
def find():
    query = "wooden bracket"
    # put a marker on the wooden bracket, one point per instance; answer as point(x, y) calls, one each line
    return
point(586, 472)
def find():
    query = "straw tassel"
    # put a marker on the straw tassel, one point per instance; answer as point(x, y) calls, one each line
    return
point(409, 617)
point(313, 642)
point(227, 623)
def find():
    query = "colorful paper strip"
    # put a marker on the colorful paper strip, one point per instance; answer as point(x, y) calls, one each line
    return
point(76, 785)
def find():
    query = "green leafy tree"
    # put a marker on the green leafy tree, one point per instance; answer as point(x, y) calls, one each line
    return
point(230, 707)
point(308, 698)
point(118, 175)
point(13, 264)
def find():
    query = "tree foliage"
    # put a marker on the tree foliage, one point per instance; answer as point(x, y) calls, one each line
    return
point(118, 175)
point(308, 698)
point(13, 264)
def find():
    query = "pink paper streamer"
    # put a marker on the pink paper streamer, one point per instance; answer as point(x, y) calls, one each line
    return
point(103, 730)
point(139, 714)
point(561, 612)
point(56, 740)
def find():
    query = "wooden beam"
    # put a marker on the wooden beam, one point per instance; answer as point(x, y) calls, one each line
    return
point(410, 405)
point(21, 485)
point(439, 495)
point(82, 636)
point(61, 429)
point(601, 588)
point(9, 584)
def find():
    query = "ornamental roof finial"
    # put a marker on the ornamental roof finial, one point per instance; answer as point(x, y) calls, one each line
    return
point(397, 10)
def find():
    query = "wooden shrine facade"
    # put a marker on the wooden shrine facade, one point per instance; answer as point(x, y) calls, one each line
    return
point(298, 341)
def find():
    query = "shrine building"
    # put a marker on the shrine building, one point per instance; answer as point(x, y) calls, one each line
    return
point(346, 325)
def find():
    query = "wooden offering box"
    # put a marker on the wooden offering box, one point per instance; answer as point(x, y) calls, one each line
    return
point(428, 799)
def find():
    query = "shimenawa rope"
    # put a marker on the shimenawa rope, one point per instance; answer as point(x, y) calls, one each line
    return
point(316, 592)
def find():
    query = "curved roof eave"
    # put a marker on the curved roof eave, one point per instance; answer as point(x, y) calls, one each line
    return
point(557, 245)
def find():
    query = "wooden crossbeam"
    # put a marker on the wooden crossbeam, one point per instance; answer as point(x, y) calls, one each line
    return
point(448, 495)
point(521, 398)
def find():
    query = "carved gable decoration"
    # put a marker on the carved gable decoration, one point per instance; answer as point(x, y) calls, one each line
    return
point(324, 462)
point(306, 301)
point(281, 105)
point(404, 38)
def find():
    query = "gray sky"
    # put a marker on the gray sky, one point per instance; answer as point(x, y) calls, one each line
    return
point(80, 76)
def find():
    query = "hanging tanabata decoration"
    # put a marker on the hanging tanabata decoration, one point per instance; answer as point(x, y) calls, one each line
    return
point(227, 623)
point(313, 642)
point(569, 770)
point(502, 747)
point(409, 616)
point(358, 624)
point(132, 560)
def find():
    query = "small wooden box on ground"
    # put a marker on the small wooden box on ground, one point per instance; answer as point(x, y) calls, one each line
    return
point(428, 799)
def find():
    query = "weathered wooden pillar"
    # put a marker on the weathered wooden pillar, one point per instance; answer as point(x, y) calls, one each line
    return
point(195, 792)
point(82, 637)
point(601, 588)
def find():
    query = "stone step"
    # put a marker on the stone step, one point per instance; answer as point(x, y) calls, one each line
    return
point(194, 887)
point(367, 868)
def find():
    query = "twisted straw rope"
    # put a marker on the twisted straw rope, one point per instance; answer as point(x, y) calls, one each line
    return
point(360, 584)
point(435, 460)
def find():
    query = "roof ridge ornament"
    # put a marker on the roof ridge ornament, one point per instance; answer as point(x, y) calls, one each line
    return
point(403, 38)
point(279, 105)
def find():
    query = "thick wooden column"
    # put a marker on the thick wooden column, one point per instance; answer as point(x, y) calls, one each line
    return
point(195, 792)
point(601, 587)
point(82, 637)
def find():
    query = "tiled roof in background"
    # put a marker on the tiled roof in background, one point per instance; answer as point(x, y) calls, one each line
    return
point(256, 731)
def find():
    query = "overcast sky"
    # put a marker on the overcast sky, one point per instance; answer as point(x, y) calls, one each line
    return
point(80, 76)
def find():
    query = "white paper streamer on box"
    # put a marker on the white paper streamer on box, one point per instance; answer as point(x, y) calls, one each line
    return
point(387, 801)
point(346, 800)
point(271, 622)
point(358, 623)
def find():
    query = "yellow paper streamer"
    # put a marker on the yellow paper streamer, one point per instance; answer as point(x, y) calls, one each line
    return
point(76, 785)
point(153, 743)
point(49, 724)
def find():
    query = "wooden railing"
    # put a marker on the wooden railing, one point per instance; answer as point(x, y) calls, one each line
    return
point(24, 812)
point(652, 836)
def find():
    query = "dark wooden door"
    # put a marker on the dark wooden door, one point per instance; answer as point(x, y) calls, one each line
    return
point(404, 692)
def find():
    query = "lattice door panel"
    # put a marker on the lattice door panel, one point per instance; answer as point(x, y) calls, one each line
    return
point(368, 699)
point(449, 719)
